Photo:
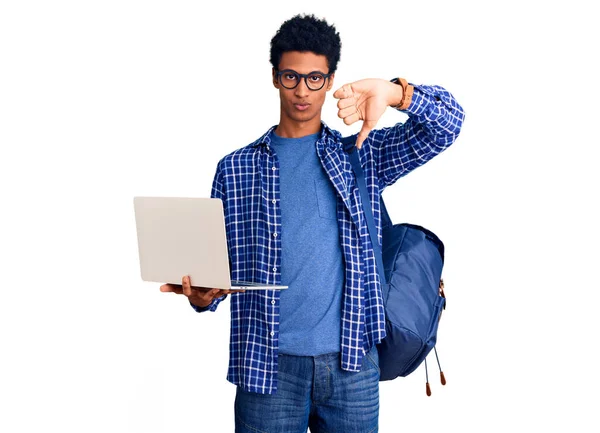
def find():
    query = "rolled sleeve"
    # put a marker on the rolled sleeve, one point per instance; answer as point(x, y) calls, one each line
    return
point(435, 120)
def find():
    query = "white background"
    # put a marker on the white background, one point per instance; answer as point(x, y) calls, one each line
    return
point(102, 101)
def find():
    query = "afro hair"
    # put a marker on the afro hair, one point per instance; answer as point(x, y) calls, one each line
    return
point(307, 33)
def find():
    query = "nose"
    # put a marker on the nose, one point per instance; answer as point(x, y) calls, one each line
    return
point(301, 89)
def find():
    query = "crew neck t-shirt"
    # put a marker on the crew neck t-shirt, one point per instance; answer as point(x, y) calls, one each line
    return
point(311, 262)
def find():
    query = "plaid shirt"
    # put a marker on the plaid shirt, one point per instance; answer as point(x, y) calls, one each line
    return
point(247, 180)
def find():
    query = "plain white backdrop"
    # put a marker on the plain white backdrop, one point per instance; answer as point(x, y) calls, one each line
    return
point(102, 101)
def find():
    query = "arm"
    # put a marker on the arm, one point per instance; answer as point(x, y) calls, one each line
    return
point(435, 120)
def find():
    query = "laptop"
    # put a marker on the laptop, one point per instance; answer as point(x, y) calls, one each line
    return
point(180, 236)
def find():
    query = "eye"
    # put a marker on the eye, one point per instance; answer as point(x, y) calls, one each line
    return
point(315, 78)
point(289, 76)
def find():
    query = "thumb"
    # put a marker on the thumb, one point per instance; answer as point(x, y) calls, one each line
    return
point(343, 92)
point(367, 127)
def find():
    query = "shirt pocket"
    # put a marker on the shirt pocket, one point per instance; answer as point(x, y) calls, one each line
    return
point(326, 200)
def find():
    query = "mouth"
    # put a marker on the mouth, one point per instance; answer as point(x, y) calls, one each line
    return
point(301, 107)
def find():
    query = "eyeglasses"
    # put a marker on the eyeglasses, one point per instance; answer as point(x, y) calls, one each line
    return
point(314, 80)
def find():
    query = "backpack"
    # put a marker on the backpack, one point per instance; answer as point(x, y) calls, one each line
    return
point(410, 265)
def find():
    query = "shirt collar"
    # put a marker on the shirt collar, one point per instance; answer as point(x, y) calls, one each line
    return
point(329, 137)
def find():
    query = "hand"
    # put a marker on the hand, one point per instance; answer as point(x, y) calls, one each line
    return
point(199, 296)
point(366, 100)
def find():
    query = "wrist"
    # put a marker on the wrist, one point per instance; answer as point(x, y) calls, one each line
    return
point(396, 95)
point(407, 93)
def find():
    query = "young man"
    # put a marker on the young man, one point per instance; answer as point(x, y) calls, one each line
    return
point(306, 357)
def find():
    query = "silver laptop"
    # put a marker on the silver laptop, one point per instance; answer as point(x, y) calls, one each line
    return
point(180, 236)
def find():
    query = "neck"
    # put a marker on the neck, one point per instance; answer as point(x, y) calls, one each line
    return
point(288, 128)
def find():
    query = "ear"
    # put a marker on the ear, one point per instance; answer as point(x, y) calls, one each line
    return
point(330, 82)
point(275, 80)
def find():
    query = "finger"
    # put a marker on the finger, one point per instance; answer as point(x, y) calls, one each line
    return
point(214, 293)
point(171, 288)
point(346, 112)
point(367, 127)
point(346, 102)
point(223, 292)
point(187, 287)
point(351, 118)
point(204, 295)
point(344, 92)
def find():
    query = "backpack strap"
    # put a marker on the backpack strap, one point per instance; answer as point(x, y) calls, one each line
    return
point(350, 148)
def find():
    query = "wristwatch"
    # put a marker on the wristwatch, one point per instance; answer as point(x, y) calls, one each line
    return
point(407, 93)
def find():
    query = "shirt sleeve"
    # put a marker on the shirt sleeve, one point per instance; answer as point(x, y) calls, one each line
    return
point(217, 191)
point(435, 120)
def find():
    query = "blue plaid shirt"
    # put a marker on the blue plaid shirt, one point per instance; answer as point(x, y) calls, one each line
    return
point(247, 181)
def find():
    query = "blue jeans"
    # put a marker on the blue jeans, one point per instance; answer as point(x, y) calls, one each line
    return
point(314, 392)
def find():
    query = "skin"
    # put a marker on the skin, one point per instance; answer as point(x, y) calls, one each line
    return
point(199, 296)
point(294, 123)
point(364, 100)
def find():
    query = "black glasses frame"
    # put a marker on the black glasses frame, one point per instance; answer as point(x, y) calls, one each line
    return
point(299, 75)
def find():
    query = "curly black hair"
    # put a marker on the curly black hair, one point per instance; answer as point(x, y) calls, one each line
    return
point(307, 33)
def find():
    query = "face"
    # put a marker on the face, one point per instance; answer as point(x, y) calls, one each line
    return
point(302, 104)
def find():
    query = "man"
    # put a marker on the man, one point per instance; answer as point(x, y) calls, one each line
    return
point(306, 357)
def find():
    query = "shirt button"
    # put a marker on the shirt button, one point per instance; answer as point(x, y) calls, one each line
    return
point(273, 168)
point(274, 269)
point(272, 333)
point(273, 201)
point(273, 302)
point(274, 235)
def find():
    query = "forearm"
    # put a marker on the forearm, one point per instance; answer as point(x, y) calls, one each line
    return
point(435, 120)
point(437, 111)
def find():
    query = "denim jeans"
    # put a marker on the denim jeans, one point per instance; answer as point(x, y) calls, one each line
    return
point(314, 392)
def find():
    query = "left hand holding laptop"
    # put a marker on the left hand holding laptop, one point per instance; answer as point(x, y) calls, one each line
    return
point(199, 296)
